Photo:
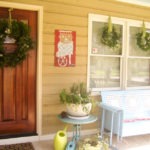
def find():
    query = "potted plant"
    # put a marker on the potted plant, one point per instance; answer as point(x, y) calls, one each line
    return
point(78, 101)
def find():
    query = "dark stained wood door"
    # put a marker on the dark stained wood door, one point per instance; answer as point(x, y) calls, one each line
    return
point(18, 86)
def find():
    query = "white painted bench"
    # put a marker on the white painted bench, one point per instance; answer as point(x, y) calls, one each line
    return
point(133, 107)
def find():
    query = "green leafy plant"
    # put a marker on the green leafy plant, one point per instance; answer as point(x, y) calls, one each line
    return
point(77, 95)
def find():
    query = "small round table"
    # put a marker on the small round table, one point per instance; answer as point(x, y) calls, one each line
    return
point(77, 122)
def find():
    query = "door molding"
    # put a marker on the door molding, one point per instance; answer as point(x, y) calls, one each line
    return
point(39, 10)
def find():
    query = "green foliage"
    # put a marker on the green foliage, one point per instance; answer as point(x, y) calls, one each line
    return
point(78, 94)
point(143, 41)
point(111, 39)
point(21, 33)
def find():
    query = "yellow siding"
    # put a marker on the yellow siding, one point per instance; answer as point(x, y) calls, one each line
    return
point(71, 15)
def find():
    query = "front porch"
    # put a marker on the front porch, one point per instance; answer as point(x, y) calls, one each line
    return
point(141, 142)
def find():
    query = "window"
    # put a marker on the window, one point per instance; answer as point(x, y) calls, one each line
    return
point(126, 66)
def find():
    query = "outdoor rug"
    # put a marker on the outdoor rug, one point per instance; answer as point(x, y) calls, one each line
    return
point(20, 146)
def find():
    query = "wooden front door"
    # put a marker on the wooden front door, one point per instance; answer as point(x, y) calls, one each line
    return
point(18, 86)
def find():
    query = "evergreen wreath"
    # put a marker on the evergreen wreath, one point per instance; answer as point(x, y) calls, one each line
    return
point(110, 36)
point(19, 32)
point(143, 39)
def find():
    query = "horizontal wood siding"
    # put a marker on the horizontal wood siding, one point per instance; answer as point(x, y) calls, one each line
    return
point(71, 15)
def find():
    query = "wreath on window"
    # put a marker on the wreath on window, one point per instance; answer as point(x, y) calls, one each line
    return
point(143, 39)
point(17, 35)
point(110, 36)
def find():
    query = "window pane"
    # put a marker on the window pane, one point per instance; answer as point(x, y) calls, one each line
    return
point(134, 49)
point(104, 72)
point(97, 46)
point(138, 72)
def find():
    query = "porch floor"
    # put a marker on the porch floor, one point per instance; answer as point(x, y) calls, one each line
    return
point(141, 142)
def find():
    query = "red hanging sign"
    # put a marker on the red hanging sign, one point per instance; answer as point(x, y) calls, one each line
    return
point(65, 48)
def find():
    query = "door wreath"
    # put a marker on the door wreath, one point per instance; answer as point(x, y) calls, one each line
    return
point(14, 33)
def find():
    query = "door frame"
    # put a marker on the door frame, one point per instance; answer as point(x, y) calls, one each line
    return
point(39, 10)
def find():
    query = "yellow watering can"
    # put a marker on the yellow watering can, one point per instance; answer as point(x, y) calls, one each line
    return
point(60, 139)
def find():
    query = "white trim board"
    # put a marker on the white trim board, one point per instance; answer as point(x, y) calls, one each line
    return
point(145, 3)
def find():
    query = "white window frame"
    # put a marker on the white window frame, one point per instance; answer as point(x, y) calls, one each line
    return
point(126, 23)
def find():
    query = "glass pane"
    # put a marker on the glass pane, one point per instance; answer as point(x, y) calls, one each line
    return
point(97, 46)
point(104, 72)
point(138, 72)
point(134, 49)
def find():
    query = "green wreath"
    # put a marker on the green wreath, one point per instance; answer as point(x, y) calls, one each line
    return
point(110, 36)
point(20, 33)
point(143, 39)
